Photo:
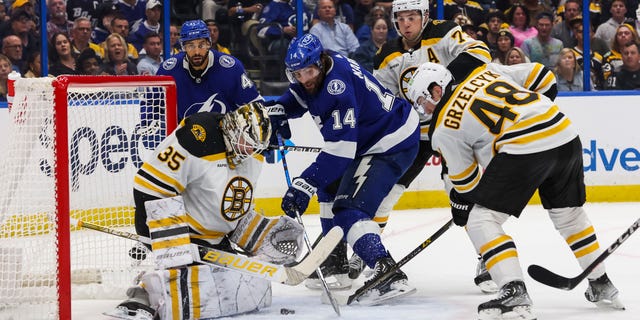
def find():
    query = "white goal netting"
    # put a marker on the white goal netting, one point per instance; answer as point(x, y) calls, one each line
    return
point(75, 144)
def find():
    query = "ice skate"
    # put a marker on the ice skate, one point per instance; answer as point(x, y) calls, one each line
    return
point(602, 292)
point(392, 287)
point(134, 308)
point(513, 302)
point(335, 270)
point(483, 278)
point(356, 266)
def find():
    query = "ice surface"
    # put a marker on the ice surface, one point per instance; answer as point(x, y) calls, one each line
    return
point(443, 273)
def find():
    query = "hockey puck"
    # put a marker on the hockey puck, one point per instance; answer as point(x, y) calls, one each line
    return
point(286, 311)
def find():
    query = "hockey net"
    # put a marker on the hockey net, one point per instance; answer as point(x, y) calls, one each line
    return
point(74, 146)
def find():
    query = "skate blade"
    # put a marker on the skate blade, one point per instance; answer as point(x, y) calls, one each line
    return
point(488, 286)
point(615, 303)
point(517, 313)
point(372, 299)
point(334, 282)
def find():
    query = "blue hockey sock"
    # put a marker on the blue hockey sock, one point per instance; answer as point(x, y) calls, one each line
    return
point(370, 248)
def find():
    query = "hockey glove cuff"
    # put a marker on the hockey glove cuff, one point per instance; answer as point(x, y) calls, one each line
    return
point(297, 197)
point(460, 208)
point(279, 122)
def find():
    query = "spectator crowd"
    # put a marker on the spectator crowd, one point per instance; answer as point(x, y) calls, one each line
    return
point(124, 37)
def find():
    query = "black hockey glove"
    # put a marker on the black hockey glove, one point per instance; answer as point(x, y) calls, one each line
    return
point(459, 208)
point(279, 122)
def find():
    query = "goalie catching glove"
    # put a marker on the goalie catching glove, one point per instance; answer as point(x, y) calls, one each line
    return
point(277, 240)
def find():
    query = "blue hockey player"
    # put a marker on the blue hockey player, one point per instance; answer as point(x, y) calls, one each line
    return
point(208, 80)
point(370, 137)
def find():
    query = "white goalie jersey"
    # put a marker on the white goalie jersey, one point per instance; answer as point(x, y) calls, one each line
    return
point(489, 113)
point(192, 162)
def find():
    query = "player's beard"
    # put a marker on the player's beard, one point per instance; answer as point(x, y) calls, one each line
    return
point(197, 61)
point(313, 85)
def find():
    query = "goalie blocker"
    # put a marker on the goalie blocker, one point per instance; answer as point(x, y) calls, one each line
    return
point(181, 290)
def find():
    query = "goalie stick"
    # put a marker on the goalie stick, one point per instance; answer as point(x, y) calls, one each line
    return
point(290, 275)
point(325, 287)
point(552, 279)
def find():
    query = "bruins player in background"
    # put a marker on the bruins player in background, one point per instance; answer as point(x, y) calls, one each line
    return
point(422, 40)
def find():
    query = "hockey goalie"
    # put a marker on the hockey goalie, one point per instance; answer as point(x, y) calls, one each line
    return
point(196, 190)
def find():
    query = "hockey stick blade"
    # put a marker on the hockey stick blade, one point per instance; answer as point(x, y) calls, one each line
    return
point(552, 279)
point(289, 275)
point(375, 281)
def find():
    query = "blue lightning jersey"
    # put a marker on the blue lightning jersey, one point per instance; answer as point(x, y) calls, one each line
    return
point(222, 87)
point(356, 116)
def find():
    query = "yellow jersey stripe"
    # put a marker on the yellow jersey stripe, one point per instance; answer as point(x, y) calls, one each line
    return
point(389, 58)
point(539, 135)
point(144, 184)
point(163, 177)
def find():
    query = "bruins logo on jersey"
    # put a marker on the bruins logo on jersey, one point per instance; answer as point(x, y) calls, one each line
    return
point(405, 76)
point(237, 198)
point(198, 132)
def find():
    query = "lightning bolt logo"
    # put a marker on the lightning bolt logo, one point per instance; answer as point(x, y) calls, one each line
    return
point(361, 174)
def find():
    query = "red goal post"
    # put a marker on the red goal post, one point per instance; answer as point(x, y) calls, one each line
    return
point(74, 145)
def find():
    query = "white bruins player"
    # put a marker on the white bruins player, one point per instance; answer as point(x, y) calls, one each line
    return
point(500, 143)
point(207, 168)
point(421, 40)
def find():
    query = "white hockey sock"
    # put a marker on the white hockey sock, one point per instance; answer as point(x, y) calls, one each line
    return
point(577, 230)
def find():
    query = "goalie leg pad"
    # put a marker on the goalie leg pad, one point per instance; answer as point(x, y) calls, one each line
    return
point(277, 240)
point(169, 232)
point(577, 230)
point(199, 292)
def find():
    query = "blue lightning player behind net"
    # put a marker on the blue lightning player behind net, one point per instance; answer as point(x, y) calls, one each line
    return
point(208, 79)
point(370, 139)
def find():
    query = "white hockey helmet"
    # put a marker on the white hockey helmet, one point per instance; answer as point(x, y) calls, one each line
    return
point(425, 76)
point(246, 131)
point(421, 6)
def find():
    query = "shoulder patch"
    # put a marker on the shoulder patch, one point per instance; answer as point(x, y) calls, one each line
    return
point(198, 132)
point(336, 87)
point(226, 61)
point(170, 63)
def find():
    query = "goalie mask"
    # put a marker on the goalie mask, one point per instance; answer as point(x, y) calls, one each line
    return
point(246, 132)
point(426, 76)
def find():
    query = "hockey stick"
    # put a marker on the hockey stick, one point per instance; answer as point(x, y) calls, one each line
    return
point(375, 281)
point(325, 287)
point(296, 148)
point(290, 275)
point(552, 279)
